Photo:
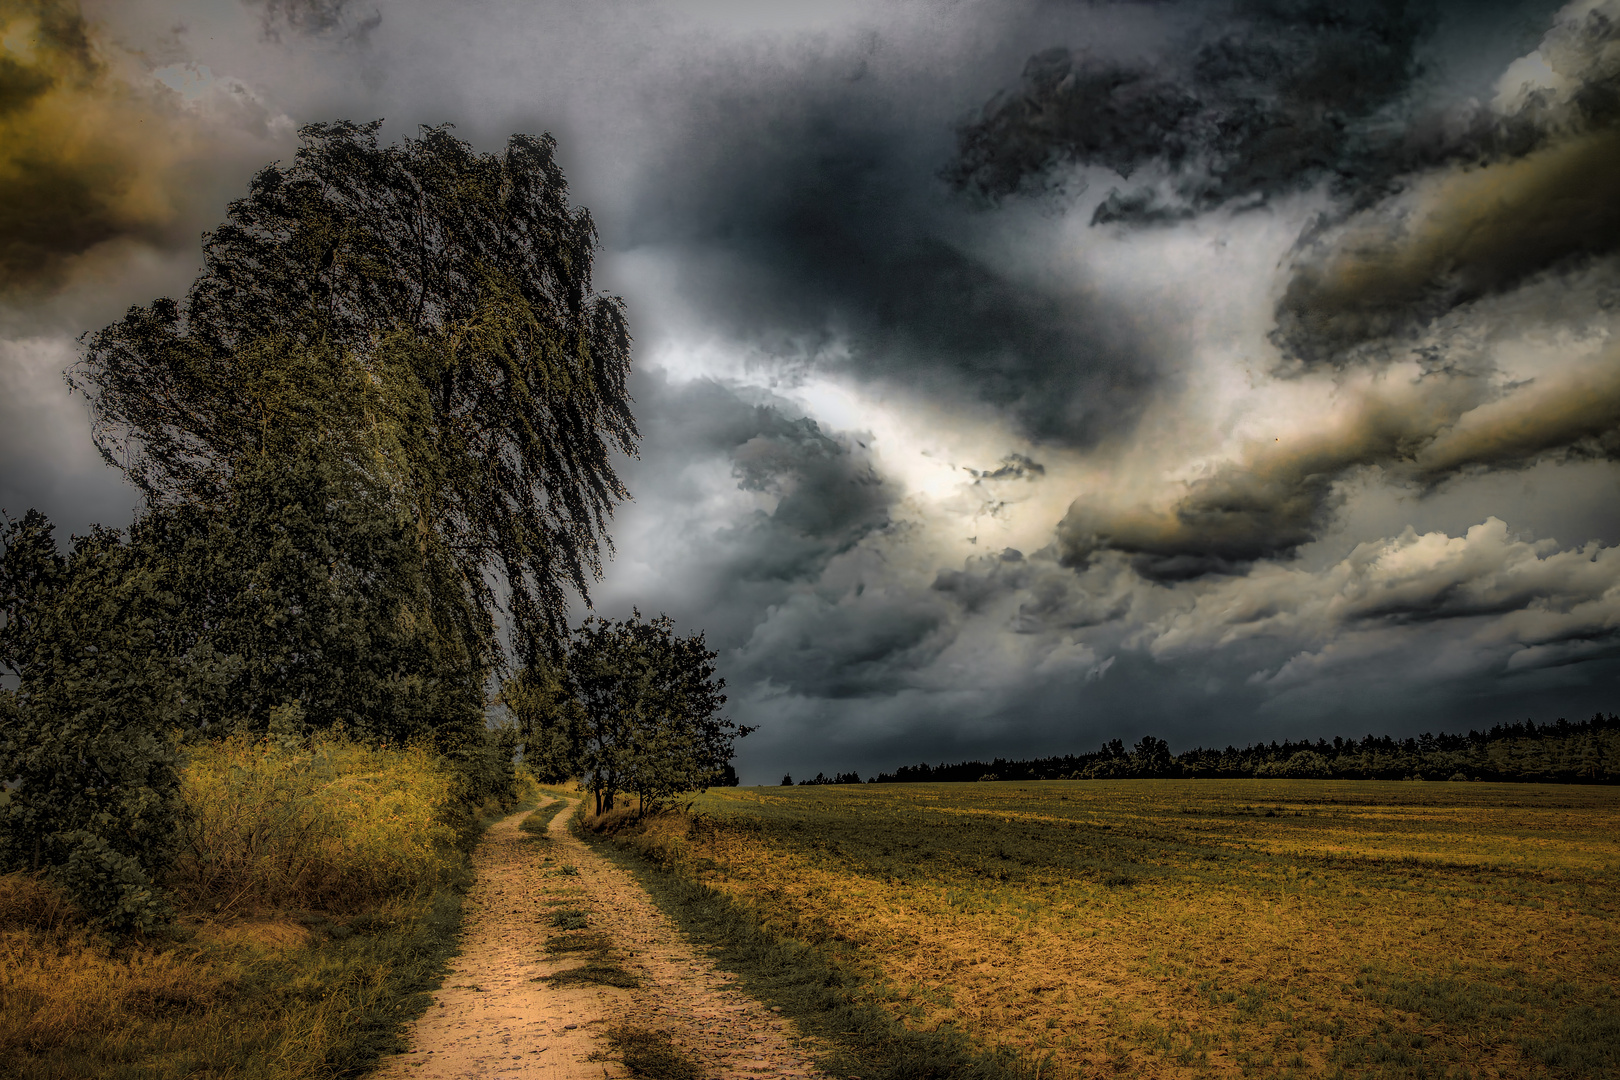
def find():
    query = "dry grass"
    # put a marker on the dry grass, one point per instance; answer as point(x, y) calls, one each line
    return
point(340, 825)
point(1193, 927)
point(316, 910)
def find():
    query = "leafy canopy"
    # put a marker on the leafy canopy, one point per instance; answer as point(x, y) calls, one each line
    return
point(633, 708)
point(427, 312)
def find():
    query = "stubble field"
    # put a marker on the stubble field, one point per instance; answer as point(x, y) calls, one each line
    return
point(1167, 928)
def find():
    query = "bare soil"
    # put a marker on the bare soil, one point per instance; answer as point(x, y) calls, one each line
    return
point(494, 1018)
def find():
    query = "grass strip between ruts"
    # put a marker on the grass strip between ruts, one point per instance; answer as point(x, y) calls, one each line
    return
point(826, 1001)
point(538, 822)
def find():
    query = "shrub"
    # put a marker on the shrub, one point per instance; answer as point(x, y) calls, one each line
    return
point(333, 824)
point(83, 739)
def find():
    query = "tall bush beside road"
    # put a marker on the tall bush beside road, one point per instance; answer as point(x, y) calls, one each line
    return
point(86, 744)
point(336, 825)
point(317, 886)
point(392, 394)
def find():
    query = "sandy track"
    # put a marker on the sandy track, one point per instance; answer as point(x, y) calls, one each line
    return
point(492, 1019)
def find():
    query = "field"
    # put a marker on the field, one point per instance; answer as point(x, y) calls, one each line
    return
point(1168, 928)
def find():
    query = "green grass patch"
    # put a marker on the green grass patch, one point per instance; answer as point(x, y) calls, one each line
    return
point(577, 942)
point(597, 972)
point(570, 919)
point(536, 824)
point(651, 1055)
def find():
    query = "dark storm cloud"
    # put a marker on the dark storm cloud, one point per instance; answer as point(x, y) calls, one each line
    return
point(1536, 199)
point(1401, 603)
point(814, 229)
point(763, 580)
point(345, 19)
point(98, 157)
point(84, 156)
point(1258, 101)
point(1481, 232)
point(1437, 209)
point(866, 644)
point(1290, 94)
point(828, 496)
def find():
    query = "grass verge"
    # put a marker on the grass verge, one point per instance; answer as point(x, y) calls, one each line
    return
point(239, 988)
point(822, 989)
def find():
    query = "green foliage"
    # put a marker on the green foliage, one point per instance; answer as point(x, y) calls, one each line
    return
point(645, 704)
point(1583, 753)
point(1301, 765)
point(304, 591)
point(549, 723)
point(427, 313)
point(85, 742)
point(392, 379)
point(31, 574)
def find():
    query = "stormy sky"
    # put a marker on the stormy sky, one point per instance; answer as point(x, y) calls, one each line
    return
point(1013, 376)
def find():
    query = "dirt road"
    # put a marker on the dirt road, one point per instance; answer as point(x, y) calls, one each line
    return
point(493, 1018)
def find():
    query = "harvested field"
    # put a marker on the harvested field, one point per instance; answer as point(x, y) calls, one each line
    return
point(1166, 928)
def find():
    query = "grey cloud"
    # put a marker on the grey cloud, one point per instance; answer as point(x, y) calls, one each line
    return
point(1536, 198)
point(1283, 495)
point(1266, 507)
point(1267, 102)
point(814, 229)
point(1291, 94)
point(1049, 596)
point(866, 643)
point(1389, 272)
point(341, 19)
point(828, 494)
point(1538, 597)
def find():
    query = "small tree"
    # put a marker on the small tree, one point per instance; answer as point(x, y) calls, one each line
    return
point(1152, 756)
point(649, 707)
point(549, 722)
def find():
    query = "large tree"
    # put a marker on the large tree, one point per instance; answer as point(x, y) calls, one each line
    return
point(426, 313)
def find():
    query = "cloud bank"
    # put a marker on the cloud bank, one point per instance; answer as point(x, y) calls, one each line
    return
point(1013, 377)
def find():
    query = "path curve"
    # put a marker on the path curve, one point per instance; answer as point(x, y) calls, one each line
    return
point(491, 1018)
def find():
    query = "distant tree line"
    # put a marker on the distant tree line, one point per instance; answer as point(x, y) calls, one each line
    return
point(822, 778)
point(1560, 752)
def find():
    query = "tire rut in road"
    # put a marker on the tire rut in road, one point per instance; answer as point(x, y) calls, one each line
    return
point(495, 1016)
